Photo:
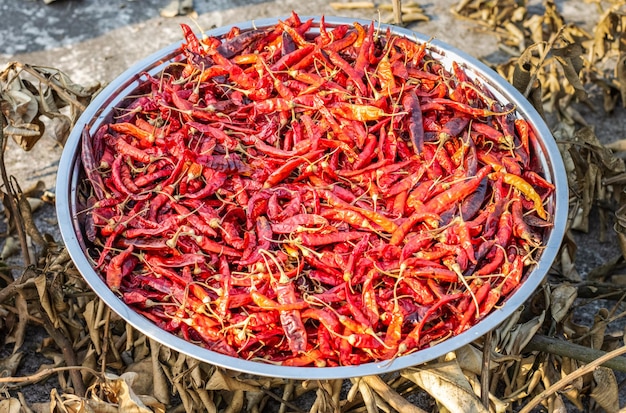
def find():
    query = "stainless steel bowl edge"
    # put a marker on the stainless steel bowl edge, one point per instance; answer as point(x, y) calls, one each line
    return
point(68, 181)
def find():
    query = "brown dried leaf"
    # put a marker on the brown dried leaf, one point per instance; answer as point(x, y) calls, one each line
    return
point(221, 381)
point(61, 80)
point(526, 379)
point(90, 315)
point(470, 359)
point(44, 299)
point(18, 104)
point(567, 254)
point(447, 384)
point(605, 391)
point(521, 334)
point(561, 299)
point(367, 394)
point(534, 25)
point(567, 57)
point(9, 365)
point(523, 68)
point(501, 333)
point(604, 155)
point(19, 332)
point(142, 383)
point(161, 388)
point(552, 18)
point(573, 391)
point(11, 247)
point(120, 392)
point(21, 110)
point(556, 404)
point(26, 135)
point(11, 405)
point(23, 102)
point(598, 330)
point(573, 330)
point(58, 128)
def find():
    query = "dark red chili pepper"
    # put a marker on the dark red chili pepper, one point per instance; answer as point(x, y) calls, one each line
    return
point(233, 46)
point(411, 104)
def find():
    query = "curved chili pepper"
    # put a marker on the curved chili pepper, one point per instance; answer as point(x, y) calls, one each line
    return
point(411, 104)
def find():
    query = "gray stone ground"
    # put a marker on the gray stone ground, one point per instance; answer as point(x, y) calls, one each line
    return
point(95, 41)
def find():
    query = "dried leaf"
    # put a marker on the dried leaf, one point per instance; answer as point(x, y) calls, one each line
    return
point(605, 156)
point(573, 391)
point(11, 405)
point(19, 332)
point(19, 105)
point(367, 394)
point(526, 380)
point(9, 365)
point(598, 330)
point(161, 388)
point(221, 381)
point(446, 383)
point(65, 83)
point(126, 397)
point(11, 246)
point(567, 254)
point(58, 129)
point(18, 130)
point(572, 329)
point(561, 299)
point(605, 391)
point(521, 334)
point(470, 359)
point(44, 299)
point(90, 316)
point(557, 404)
point(570, 59)
point(522, 73)
point(142, 383)
point(21, 111)
point(25, 103)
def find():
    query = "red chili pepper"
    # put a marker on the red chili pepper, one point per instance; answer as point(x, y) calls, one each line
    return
point(411, 104)
point(287, 61)
point(288, 167)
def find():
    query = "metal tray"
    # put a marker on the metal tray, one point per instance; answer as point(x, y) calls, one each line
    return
point(70, 176)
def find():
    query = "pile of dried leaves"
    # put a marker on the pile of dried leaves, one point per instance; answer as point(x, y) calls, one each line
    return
point(543, 355)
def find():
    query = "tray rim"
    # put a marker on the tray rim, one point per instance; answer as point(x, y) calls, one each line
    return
point(67, 183)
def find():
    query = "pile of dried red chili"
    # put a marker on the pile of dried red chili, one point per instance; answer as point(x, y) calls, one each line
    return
point(313, 196)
